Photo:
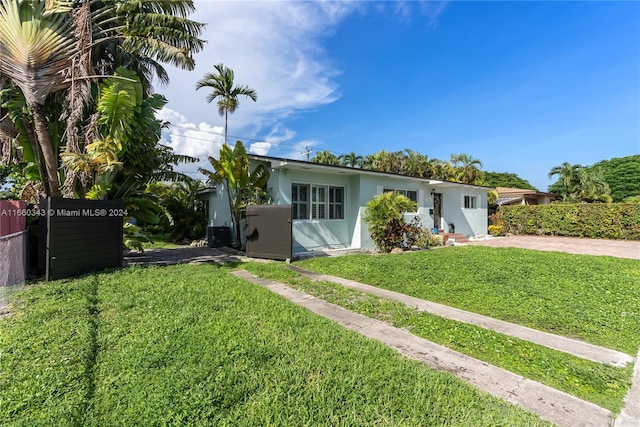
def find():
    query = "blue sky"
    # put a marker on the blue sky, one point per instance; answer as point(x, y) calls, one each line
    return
point(521, 86)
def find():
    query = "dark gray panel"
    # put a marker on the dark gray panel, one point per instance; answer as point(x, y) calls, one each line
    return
point(269, 233)
point(82, 236)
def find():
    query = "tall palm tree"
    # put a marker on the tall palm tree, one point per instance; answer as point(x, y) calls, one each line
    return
point(221, 81)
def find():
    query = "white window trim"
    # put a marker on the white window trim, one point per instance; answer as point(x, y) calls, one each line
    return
point(471, 197)
point(327, 203)
point(404, 190)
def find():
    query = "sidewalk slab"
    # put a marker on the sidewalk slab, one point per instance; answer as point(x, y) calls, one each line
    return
point(567, 345)
point(550, 404)
point(630, 413)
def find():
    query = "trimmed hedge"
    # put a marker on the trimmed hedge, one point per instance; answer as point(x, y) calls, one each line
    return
point(596, 220)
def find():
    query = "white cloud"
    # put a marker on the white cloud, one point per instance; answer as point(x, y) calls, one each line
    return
point(275, 47)
point(199, 141)
point(260, 148)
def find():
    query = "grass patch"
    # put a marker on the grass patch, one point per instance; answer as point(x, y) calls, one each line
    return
point(601, 384)
point(160, 241)
point(596, 299)
point(193, 345)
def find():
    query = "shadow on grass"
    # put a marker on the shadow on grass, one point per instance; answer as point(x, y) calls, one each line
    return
point(91, 356)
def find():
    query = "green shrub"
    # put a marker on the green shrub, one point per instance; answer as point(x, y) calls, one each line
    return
point(387, 226)
point(596, 220)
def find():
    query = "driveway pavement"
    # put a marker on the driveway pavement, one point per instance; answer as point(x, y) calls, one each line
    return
point(572, 245)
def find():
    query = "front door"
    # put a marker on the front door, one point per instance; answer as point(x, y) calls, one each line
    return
point(437, 209)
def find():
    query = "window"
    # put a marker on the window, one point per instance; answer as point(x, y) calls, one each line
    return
point(300, 201)
point(470, 202)
point(317, 201)
point(336, 203)
point(410, 194)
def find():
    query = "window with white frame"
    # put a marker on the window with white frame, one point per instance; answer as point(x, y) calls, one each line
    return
point(470, 202)
point(336, 203)
point(300, 201)
point(311, 201)
point(410, 194)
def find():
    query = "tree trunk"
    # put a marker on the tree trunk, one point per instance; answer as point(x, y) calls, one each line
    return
point(226, 114)
point(28, 128)
point(48, 154)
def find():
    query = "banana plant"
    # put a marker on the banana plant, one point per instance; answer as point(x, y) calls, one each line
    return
point(232, 171)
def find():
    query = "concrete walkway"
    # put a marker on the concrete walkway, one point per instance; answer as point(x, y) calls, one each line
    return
point(567, 345)
point(550, 404)
point(630, 413)
point(572, 245)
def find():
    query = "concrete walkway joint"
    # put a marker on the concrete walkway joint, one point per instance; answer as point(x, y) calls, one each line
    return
point(550, 404)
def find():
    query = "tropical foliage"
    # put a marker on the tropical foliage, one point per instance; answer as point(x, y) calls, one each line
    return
point(460, 168)
point(326, 157)
point(242, 186)
point(387, 226)
point(506, 179)
point(351, 160)
point(579, 184)
point(594, 220)
point(183, 212)
point(622, 174)
point(225, 91)
point(54, 52)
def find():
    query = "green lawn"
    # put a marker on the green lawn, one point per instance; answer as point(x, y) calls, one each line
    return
point(193, 345)
point(596, 299)
point(160, 241)
point(601, 384)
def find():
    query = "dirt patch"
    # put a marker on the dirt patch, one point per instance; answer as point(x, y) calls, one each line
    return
point(180, 255)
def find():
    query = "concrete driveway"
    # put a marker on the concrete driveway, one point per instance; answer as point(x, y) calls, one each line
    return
point(572, 245)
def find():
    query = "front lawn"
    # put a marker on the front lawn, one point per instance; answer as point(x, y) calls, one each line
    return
point(596, 299)
point(601, 384)
point(193, 345)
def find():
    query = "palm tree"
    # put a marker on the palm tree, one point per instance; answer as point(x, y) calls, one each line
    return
point(416, 164)
point(352, 160)
point(50, 46)
point(568, 175)
point(467, 168)
point(36, 43)
point(223, 89)
point(325, 157)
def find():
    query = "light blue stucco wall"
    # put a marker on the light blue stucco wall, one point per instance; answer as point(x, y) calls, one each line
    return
point(371, 186)
point(352, 232)
point(469, 222)
point(219, 211)
point(310, 235)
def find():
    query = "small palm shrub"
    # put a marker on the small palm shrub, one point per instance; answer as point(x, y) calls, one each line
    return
point(387, 226)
